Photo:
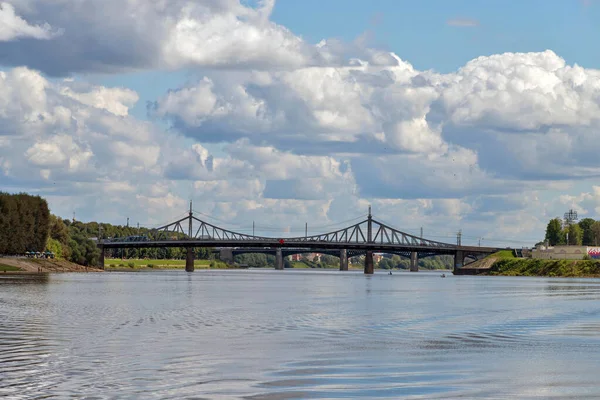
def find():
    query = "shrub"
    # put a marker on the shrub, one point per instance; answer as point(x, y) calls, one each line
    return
point(131, 264)
point(150, 265)
point(112, 265)
point(121, 265)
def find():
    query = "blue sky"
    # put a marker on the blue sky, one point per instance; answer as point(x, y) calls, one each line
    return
point(418, 31)
point(255, 122)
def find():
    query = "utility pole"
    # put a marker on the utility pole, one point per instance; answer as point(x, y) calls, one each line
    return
point(128, 222)
point(99, 233)
point(252, 228)
point(138, 229)
point(190, 227)
point(73, 216)
point(306, 230)
point(459, 237)
point(421, 232)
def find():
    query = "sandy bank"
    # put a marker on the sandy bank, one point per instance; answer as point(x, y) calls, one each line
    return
point(45, 265)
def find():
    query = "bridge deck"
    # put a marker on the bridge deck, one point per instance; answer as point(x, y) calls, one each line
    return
point(275, 243)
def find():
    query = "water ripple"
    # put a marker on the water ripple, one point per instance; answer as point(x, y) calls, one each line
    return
point(263, 335)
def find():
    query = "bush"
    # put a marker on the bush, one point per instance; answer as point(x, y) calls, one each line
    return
point(121, 265)
point(131, 265)
point(150, 265)
point(112, 265)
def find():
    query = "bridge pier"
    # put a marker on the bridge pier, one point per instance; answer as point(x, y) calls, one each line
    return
point(189, 260)
point(369, 266)
point(226, 255)
point(101, 258)
point(414, 261)
point(343, 260)
point(459, 259)
point(278, 259)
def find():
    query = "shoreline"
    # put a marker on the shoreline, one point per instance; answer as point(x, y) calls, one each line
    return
point(18, 265)
point(495, 265)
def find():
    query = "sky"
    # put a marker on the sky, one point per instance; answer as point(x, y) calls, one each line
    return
point(479, 116)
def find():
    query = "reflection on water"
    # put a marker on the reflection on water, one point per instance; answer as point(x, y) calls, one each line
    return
point(297, 334)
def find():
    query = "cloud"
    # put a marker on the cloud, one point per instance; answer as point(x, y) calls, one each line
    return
point(13, 27)
point(462, 22)
point(281, 131)
point(221, 34)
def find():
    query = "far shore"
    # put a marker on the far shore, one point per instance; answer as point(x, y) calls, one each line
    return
point(504, 263)
point(22, 265)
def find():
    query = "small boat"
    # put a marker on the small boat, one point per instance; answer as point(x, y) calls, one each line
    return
point(443, 275)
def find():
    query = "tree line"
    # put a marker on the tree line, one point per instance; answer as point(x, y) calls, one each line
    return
point(24, 222)
point(26, 225)
point(584, 233)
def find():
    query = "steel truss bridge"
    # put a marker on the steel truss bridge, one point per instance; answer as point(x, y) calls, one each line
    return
point(365, 237)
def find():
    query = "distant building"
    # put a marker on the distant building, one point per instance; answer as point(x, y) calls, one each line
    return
point(565, 252)
point(377, 257)
point(296, 257)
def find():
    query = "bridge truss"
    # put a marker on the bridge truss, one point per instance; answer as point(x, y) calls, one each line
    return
point(196, 232)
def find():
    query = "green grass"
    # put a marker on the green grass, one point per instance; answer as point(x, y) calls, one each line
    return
point(299, 264)
point(9, 268)
point(158, 264)
point(503, 254)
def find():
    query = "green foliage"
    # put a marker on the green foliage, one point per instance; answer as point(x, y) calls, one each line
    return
point(587, 232)
point(596, 233)
point(554, 232)
point(254, 260)
point(131, 265)
point(150, 265)
point(24, 222)
point(216, 264)
point(56, 247)
point(575, 234)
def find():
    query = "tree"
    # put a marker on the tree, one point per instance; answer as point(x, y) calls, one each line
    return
point(554, 232)
point(596, 233)
point(575, 234)
point(588, 235)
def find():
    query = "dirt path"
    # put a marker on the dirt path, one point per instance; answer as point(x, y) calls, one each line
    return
point(45, 265)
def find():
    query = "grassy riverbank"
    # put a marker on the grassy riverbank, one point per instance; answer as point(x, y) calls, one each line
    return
point(552, 268)
point(117, 263)
point(9, 268)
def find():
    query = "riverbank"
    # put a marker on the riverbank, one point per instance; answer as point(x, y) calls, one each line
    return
point(550, 268)
point(504, 263)
point(35, 265)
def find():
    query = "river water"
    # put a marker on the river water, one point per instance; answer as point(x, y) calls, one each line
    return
point(297, 334)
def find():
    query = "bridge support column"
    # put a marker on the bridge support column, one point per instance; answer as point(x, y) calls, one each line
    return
point(226, 255)
point(189, 260)
point(278, 259)
point(101, 258)
point(414, 261)
point(369, 266)
point(459, 259)
point(343, 260)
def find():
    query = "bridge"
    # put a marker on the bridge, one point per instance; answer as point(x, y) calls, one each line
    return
point(365, 237)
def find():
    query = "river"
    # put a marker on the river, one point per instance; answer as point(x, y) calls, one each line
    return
point(264, 334)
